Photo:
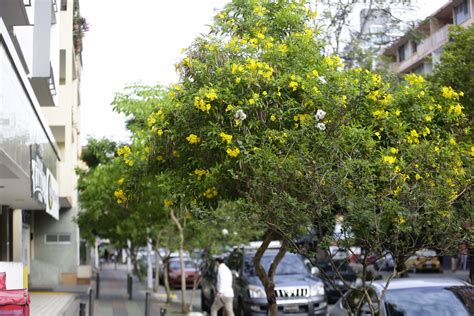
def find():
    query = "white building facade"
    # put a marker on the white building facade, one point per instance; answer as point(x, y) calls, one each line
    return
point(39, 145)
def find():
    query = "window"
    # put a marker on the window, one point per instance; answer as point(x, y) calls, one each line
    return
point(63, 5)
point(62, 66)
point(414, 47)
point(60, 238)
point(401, 53)
point(461, 12)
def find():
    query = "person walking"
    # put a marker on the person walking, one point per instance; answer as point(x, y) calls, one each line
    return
point(225, 293)
point(463, 254)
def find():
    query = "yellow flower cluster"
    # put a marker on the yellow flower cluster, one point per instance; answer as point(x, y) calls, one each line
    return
point(233, 152)
point(201, 104)
point(380, 114)
point(293, 85)
point(120, 181)
point(412, 138)
point(201, 173)
point(414, 79)
point(193, 139)
point(449, 93)
point(226, 138)
point(210, 193)
point(456, 109)
point(167, 202)
point(125, 151)
point(389, 159)
point(301, 118)
point(273, 118)
point(120, 196)
point(260, 11)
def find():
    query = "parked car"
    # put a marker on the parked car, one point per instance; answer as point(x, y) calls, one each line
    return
point(297, 290)
point(411, 297)
point(424, 260)
point(336, 284)
point(174, 272)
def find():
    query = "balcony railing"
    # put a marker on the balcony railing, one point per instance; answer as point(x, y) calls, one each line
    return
point(424, 48)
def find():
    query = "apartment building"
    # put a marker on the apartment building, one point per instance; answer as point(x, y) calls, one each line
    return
point(40, 57)
point(419, 56)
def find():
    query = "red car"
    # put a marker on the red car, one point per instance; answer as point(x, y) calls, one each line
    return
point(174, 272)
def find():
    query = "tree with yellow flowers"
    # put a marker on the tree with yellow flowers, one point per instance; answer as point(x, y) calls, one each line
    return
point(260, 116)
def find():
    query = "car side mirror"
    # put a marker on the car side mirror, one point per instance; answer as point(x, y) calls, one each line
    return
point(235, 273)
point(314, 271)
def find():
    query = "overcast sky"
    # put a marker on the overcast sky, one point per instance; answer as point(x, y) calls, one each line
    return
point(140, 41)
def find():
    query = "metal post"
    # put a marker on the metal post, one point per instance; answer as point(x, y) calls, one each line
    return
point(147, 304)
point(97, 285)
point(91, 302)
point(130, 286)
point(82, 309)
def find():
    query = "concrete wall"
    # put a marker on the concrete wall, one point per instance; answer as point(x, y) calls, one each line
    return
point(52, 261)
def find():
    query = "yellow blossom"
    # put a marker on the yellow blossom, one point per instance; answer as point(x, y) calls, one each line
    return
point(428, 118)
point(426, 131)
point(120, 181)
point(168, 202)
point(193, 139)
point(230, 107)
point(452, 141)
point(210, 193)
point(397, 112)
point(418, 177)
point(456, 109)
point(396, 169)
point(401, 220)
point(120, 196)
point(226, 137)
point(389, 159)
point(200, 173)
point(159, 132)
point(237, 80)
point(394, 150)
point(293, 85)
point(273, 118)
point(448, 92)
point(175, 154)
point(125, 151)
point(233, 152)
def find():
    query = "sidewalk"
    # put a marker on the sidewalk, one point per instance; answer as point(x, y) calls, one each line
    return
point(113, 297)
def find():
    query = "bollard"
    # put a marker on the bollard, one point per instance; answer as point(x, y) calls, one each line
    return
point(147, 304)
point(97, 285)
point(82, 309)
point(162, 311)
point(91, 302)
point(130, 286)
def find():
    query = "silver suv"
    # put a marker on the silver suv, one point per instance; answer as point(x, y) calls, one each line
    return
point(297, 291)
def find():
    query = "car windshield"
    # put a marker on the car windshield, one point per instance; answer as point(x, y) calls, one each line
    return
point(430, 301)
point(175, 265)
point(290, 264)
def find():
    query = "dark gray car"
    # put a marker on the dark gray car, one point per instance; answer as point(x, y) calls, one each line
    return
point(297, 291)
point(411, 297)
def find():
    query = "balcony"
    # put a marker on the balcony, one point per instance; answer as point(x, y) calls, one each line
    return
point(424, 49)
point(22, 127)
point(13, 12)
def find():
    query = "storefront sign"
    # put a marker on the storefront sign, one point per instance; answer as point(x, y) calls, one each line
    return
point(44, 187)
point(52, 205)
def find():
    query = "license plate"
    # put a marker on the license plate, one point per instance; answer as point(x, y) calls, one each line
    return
point(292, 309)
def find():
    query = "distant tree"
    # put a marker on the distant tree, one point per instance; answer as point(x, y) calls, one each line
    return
point(456, 66)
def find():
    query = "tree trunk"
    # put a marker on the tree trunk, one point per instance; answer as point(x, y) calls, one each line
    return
point(184, 308)
point(401, 267)
point(157, 259)
point(267, 278)
point(166, 281)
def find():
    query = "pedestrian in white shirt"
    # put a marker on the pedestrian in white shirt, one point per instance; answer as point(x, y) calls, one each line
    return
point(225, 293)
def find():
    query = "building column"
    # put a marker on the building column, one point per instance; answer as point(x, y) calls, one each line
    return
point(17, 235)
